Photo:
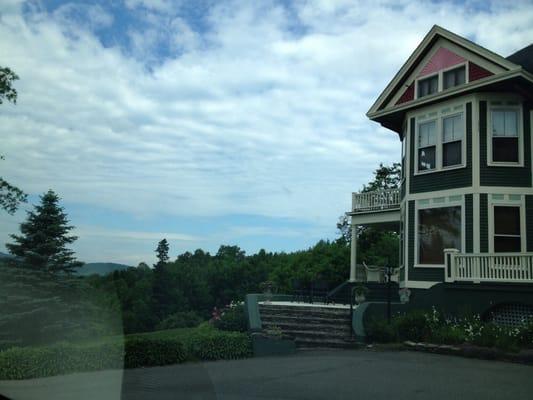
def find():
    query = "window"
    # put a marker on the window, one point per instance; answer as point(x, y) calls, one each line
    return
point(507, 229)
point(427, 145)
point(504, 128)
point(438, 229)
point(428, 86)
point(452, 137)
point(453, 77)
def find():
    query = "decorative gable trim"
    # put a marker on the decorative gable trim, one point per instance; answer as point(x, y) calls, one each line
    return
point(479, 53)
point(442, 59)
point(476, 72)
point(408, 94)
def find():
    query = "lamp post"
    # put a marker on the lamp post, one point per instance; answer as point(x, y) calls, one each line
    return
point(388, 274)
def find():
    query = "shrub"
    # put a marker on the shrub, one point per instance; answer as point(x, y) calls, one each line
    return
point(61, 358)
point(413, 326)
point(447, 334)
point(182, 319)
point(216, 345)
point(378, 330)
point(232, 319)
point(149, 352)
point(146, 350)
point(525, 335)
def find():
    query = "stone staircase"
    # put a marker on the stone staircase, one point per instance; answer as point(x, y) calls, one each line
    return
point(310, 326)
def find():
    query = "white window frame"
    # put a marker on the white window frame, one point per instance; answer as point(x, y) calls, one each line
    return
point(440, 134)
point(463, 147)
point(433, 204)
point(456, 66)
point(520, 129)
point(440, 75)
point(507, 202)
point(417, 142)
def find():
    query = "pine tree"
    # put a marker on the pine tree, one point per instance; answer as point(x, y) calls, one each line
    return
point(44, 237)
point(162, 253)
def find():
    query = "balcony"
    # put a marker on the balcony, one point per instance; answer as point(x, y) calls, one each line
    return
point(488, 267)
point(378, 200)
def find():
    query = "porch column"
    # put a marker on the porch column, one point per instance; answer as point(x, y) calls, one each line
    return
point(353, 255)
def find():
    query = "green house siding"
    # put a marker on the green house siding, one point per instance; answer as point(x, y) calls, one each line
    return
point(529, 222)
point(483, 223)
point(442, 180)
point(504, 176)
point(418, 274)
point(469, 223)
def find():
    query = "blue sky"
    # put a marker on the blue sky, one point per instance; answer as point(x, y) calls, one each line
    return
point(211, 122)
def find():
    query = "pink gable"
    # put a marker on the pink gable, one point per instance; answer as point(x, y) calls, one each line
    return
point(443, 58)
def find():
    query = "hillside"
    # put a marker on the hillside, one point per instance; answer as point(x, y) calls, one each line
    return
point(101, 268)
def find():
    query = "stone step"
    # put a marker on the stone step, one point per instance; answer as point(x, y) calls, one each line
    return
point(314, 309)
point(321, 343)
point(305, 319)
point(318, 335)
point(295, 311)
point(344, 329)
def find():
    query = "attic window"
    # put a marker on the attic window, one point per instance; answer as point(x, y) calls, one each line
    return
point(428, 86)
point(454, 77)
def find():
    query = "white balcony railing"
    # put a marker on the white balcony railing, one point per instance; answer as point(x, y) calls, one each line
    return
point(376, 200)
point(488, 267)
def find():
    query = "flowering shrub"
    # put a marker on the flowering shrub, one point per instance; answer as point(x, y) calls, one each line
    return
point(230, 318)
point(434, 327)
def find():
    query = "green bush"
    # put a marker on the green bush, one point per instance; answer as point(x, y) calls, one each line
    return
point(447, 334)
point(215, 345)
point(144, 350)
point(149, 352)
point(61, 358)
point(492, 335)
point(413, 326)
point(378, 330)
point(232, 319)
point(182, 319)
point(525, 335)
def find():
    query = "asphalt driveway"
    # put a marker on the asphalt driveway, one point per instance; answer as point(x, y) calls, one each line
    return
point(352, 374)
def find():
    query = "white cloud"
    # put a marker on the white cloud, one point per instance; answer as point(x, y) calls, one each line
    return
point(240, 114)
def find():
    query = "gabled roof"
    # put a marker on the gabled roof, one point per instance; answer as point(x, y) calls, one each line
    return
point(507, 68)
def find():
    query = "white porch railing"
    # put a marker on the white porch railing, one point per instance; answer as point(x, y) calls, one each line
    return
point(488, 267)
point(376, 200)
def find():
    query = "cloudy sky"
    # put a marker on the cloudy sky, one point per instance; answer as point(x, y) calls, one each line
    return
point(211, 122)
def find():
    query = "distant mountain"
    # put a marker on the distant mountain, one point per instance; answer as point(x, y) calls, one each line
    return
point(101, 268)
point(87, 269)
point(4, 255)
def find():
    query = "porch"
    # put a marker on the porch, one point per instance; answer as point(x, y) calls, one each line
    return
point(488, 267)
point(377, 208)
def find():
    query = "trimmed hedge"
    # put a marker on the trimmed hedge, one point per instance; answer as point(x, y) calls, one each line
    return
point(146, 350)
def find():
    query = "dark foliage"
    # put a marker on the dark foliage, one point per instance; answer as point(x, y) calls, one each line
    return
point(42, 244)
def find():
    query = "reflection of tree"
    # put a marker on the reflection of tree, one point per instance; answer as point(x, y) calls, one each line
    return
point(438, 228)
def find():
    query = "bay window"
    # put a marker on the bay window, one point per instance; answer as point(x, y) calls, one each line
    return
point(438, 229)
point(441, 140)
point(427, 145)
point(507, 229)
point(452, 136)
point(505, 138)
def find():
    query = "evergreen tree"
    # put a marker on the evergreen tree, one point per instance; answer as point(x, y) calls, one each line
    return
point(162, 288)
point(162, 253)
point(44, 237)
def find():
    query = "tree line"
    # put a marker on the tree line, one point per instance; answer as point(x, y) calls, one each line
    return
point(45, 300)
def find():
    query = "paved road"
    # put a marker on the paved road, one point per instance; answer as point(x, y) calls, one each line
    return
point(354, 374)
